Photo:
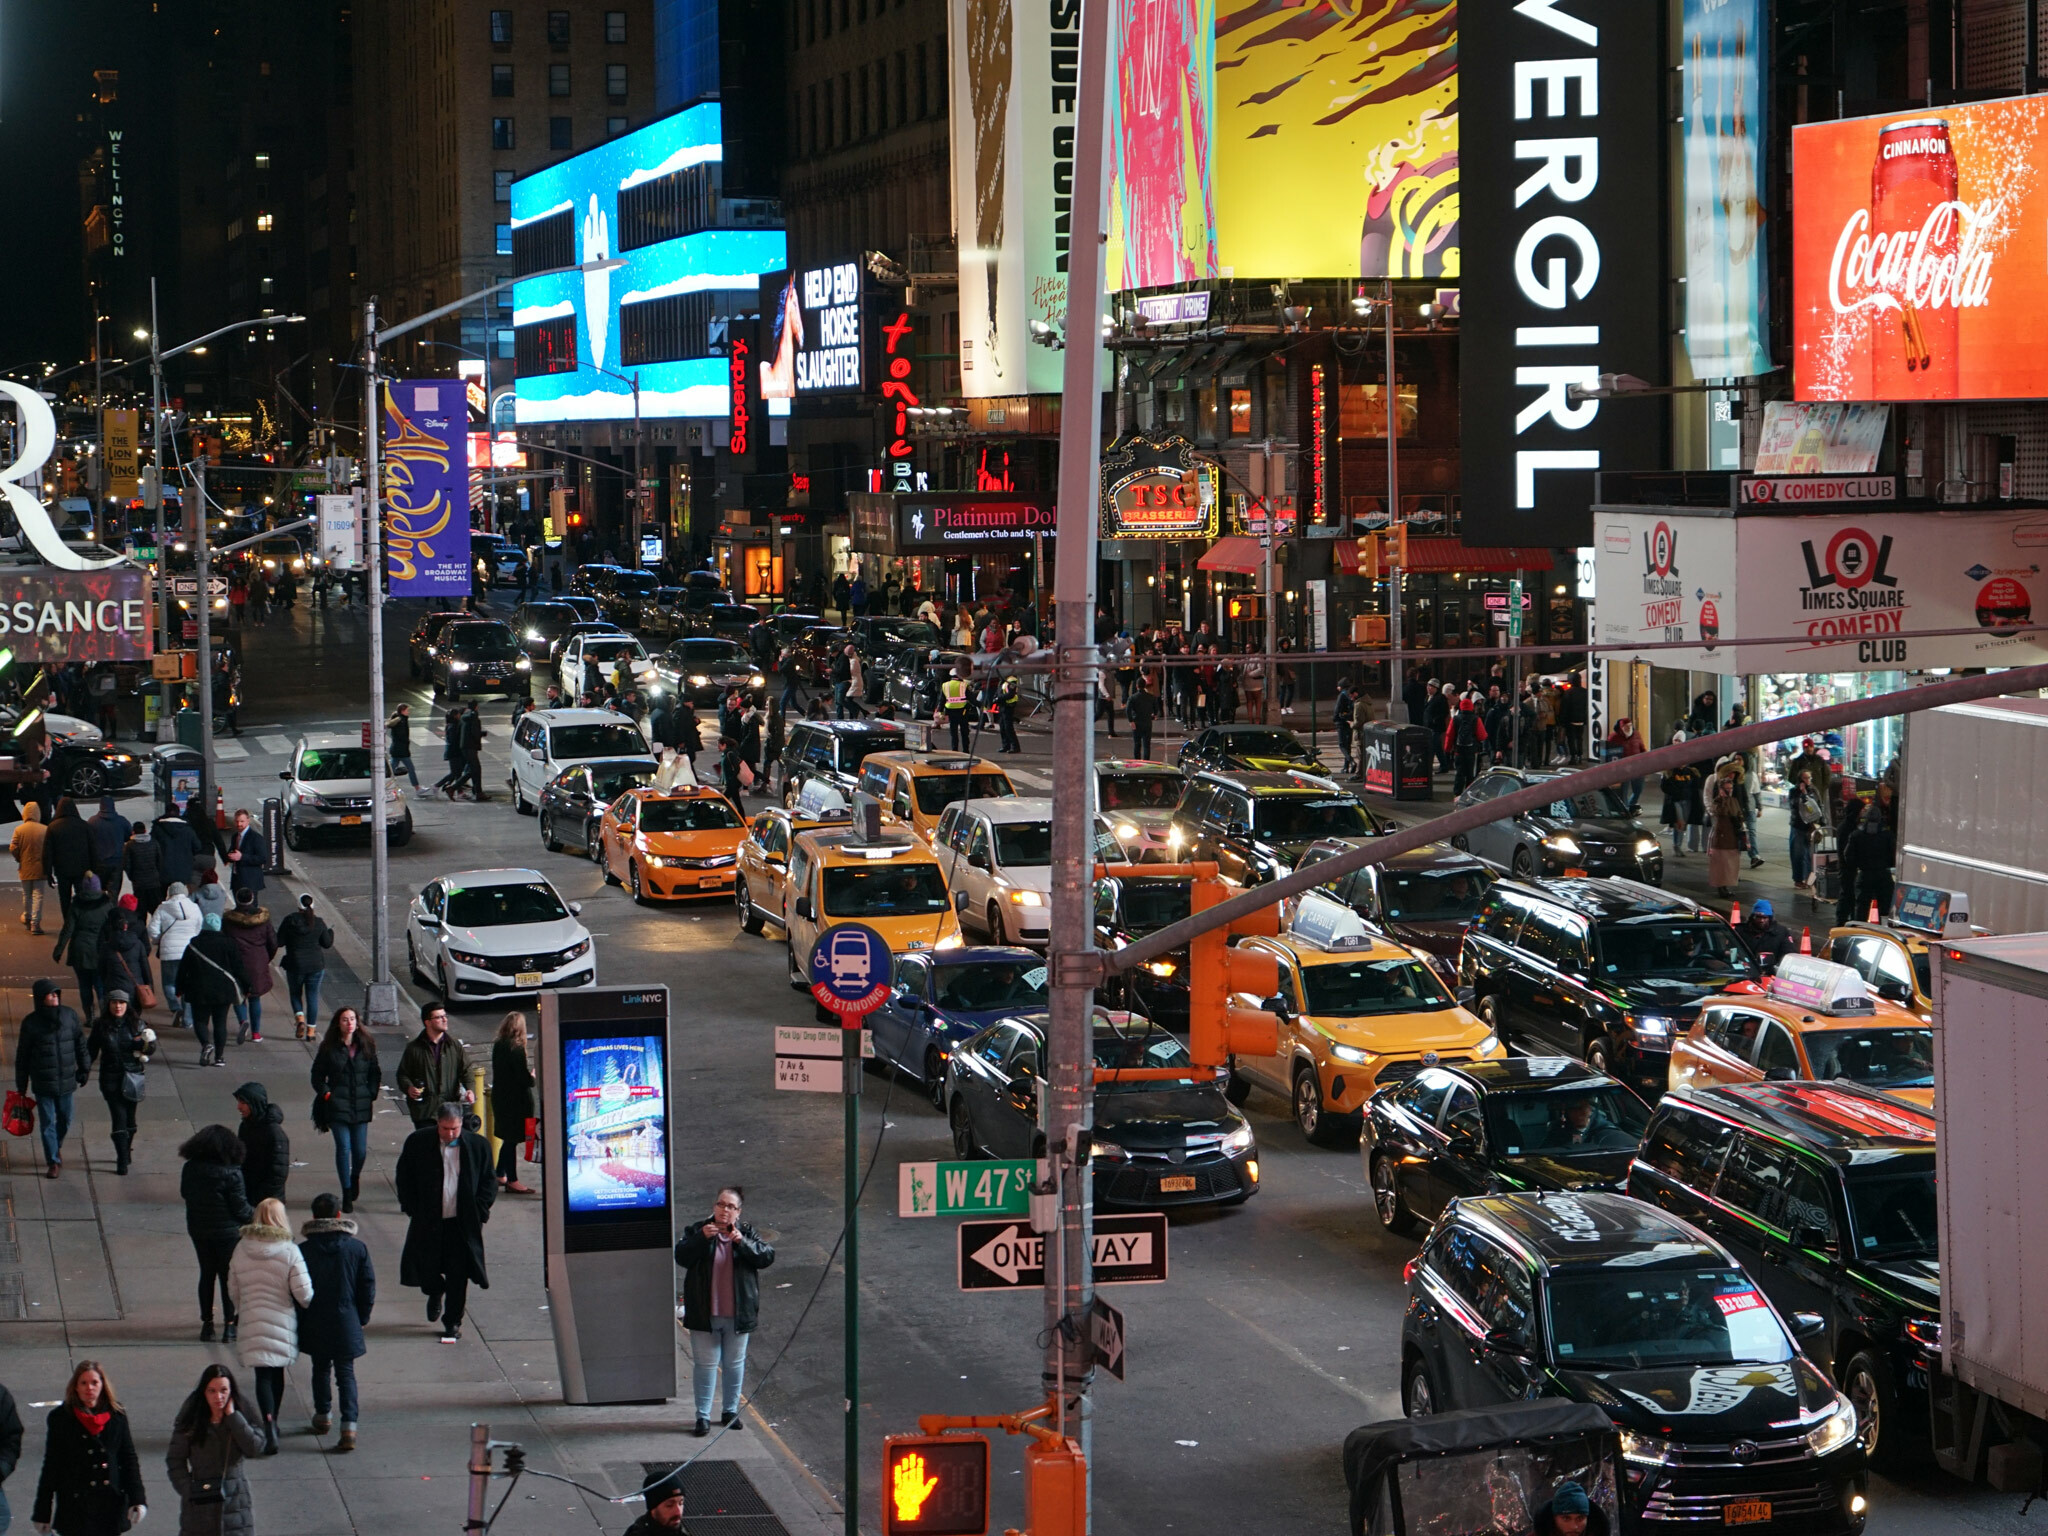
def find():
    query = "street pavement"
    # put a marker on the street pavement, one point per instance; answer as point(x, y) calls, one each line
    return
point(1277, 1333)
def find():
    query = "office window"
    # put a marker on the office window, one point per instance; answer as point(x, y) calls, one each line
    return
point(902, 84)
point(845, 129)
point(558, 29)
point(501, 79)
point(615, 26)
point(262, 162)
point(867, 90)
point(811, 21)
point(501, 29)
point(924, 82)
point(558, 79)
point(502, 135)
point(561, 133)
point(264, 224)
point(267, 285)
point(507, 344)
point(501, 186)
point(504, 239)
point(615, 81)
point(1240, 412)
point(614, 126)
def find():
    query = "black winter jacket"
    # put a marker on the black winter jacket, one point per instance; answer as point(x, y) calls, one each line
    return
point(117, 1045)
point(78, 945)
point(303, 939)
point(349, 1081)
point(68, 847)
point(176, 845)
point(51, 1058)
point(267, 1162)
point(89, 1482)
point(10, 1434)
point(344, 1290)
point(211, 969)
point(750, 1255)
point(512, 1103)
point(108, 833)
point(216, 1201)
point(144, 862)
point(124, 952)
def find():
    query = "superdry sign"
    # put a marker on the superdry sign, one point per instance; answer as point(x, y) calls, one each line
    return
point(1561, 119)
point(1814, 490)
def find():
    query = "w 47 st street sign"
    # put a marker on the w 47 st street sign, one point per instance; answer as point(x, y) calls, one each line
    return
point(963, 1189)
point(1008, 1255)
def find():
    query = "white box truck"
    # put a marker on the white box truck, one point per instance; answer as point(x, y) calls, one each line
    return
point(1972, 816)
point(1990, 1399)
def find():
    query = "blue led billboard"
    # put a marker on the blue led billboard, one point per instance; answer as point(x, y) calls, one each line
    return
point(572, 211)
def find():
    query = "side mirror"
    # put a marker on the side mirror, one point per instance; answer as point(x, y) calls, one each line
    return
point(1275, 1005)
point(979, 859)
point(428, 920)
point(1804, 1237)
point(805, 910)
point(1808, 1325)
point(779, 860)
point(1238, 829)
point(1895, 992)
point(285, 774)
point(1781, 1075)
point(1501, 1342)
point(575, 908)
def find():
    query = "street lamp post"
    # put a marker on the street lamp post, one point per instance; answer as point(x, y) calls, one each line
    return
point(633, 499)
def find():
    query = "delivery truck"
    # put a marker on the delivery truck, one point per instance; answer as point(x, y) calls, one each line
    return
point(1972, 816)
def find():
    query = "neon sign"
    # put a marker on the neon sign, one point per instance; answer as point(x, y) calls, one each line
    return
point(742, 418)
point(896, 388)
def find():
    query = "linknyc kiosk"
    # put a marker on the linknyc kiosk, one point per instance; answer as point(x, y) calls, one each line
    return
point(604, 1098)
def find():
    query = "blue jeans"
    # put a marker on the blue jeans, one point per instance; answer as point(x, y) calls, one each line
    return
point(351, 1146)
point(306, 993)
point(53, 1116)
point(1802, 855)
point(250, 1015)
point(344, 1379)
point(404, 765)
point(6, 1515)
point(723, 1346)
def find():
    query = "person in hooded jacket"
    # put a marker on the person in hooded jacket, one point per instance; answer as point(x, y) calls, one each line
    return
point(216, 1208)
point(78, 942)
point(142, 861)
point(346, 1080)
point(249, 926)
point(268, 1279)
point(1569, 1512)
point(108, 831)
point(205, 836)
point(305, 940)
point(51, 1062)
point(91, 1484)
point(266, 1149)
point(124, 948)
point(67, 851)
point(210, 1438)
point(26, 845)
point(172, 926)
point(210, 979)
point(121, 1043)
point(176, 848)
point(331, 1331)
point(212, 896)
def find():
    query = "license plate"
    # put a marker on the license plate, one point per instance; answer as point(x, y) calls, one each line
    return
point(710, 880)
point(351, 821)
point(1177, 1184)
point(1747, 1512)
point(527, 979)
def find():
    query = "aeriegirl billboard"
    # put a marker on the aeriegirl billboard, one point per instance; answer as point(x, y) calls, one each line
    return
point(1920, 241)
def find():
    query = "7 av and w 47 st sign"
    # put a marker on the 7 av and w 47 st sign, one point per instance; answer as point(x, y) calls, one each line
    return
point(1009, 1256)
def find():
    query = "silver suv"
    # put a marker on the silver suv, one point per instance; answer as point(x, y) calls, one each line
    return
point(327, 793)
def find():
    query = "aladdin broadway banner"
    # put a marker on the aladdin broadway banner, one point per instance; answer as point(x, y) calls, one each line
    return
point(426, 488)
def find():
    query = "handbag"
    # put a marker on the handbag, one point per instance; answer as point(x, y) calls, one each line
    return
point(206, 1493)
point(532, 1139)
point(19, 1116)
point(145, 995)
point(322, 1122)
point(134, 1084)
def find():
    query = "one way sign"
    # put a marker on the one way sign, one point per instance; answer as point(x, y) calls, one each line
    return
point(1008, 1255)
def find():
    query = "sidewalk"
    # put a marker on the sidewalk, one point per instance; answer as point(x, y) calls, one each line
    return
point(94, 1266)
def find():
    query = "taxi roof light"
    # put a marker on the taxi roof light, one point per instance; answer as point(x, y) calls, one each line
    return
point(1822, 985)
point(1324, 922)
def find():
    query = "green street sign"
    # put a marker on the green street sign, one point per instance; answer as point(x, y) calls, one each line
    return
point(963, 1189)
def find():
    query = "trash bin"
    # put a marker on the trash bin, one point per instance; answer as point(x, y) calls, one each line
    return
point(188, 728)
point(175, 769)
point(1397, 760)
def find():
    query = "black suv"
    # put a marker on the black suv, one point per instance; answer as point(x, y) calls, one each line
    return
point(1825, 1192)
point(1247, 749)
point(1590, 833)
point(833, 750)
point(884, 638)
point(419, 652)
point(1607, 970)
point(620, 595)
point(1255, 825)
point(1602, 1299)
point(1425, 898)
point(478, 656)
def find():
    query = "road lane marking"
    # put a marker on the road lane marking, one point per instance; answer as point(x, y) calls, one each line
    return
point(274, 743)
point(230, 751)
point(1382, 1403)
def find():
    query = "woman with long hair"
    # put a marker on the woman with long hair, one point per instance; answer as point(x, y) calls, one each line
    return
point(209, 1440)
point(216, 1206)
point(512, 1101)
point(92, 1482)
point(347, 1078)
point(122, 1045)
point(269, 1281)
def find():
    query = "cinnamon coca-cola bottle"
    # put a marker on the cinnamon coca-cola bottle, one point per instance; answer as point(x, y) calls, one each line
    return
point(1914, 222)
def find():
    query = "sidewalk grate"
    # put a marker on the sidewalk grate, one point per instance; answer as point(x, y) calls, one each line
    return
point(13, 1297)
point(720, 1498)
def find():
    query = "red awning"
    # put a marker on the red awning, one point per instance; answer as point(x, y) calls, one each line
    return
point(1439, 555)
point(1235, 552)
point(1345, 552)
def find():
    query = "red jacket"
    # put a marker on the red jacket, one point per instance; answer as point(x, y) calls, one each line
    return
point(1451, 726)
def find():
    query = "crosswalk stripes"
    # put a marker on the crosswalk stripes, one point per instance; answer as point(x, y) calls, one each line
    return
point(274, 743)
point(229, 751)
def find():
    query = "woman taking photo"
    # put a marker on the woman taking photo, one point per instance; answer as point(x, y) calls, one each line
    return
point(216, 1207)
point(268, 1279)
point(511, 1098)
point(209, 1440)
point(122, 1044)
point(347, 1078)
point(91, 1483)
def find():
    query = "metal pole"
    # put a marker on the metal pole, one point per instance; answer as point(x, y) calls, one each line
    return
point(1394, 668)
point(1272, 608)
point(381, 1003)
point(851, 1067)
point(167, 723)
point(479, 1477)
point(1070, 1079)
point(634, 560)
point(204, 598)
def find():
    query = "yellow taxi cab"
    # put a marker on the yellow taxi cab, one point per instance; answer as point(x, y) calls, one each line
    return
point(764, 861)
point(1357, 1012)
point(893, 885)
point(670, 844)
point(915, 788)
point(1892, 955)
point(1812, 1021)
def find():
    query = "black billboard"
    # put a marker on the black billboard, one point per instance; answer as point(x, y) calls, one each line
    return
point(1561, 107)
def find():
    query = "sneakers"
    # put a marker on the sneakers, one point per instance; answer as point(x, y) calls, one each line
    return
point(255, 1037)
point(321, 1423)
point(347, 1442)
point(206, 1055)
point(451, 1335)
point(230, 1333)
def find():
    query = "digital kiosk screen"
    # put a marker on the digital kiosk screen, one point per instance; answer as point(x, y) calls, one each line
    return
point(615, 1127)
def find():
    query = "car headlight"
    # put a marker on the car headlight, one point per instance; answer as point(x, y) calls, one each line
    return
point(1352, 1054)
point(950, 941)
point(1107, 1151)
point(1239, 1140)
point(1834, 1431)
point(1175, 837)
point(1647, 1449)
point(533, 634)
point(698, 679)
point(458, 666)
point(1161, 968)
point(1125, 831)
point(1026, 899)
point(524, 664)
point(306, 797)
point(1925, 1331)
point(393, 793)
point(1488, 1046)
point(1558, 842)
point(756, 680)
point(463, 957)
point(580, 947)
point(1646, 845)
point(1652, 1024)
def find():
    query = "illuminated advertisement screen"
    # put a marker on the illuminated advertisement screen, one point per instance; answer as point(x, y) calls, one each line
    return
point(615, 1126)
point(582, 337)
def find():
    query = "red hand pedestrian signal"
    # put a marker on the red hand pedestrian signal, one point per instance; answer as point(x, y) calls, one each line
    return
point(910, 1487)
point(935, 1485)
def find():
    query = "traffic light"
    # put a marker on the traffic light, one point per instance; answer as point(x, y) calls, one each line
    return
point(935, 1485)
point(1248, 606)
point(1219, 1028)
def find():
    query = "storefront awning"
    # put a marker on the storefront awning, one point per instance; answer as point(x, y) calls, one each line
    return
point(1443, 556)
point(1236, 552)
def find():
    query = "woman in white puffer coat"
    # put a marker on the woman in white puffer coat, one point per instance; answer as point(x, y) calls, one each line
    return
point(268, 1280)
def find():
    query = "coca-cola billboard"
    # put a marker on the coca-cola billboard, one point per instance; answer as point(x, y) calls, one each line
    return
point(1920, 244)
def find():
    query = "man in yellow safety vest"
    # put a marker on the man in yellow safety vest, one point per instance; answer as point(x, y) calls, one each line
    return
point(953, 702)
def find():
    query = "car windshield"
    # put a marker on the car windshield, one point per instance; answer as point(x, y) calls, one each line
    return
point(982, 985)
point(1923, 978)
point(854, 746)
point(1593, 805)
point(549, 620)
point(482, 642)
point(701, 814)
point(596, 740)
point(584, 607)
point(1893, 1212)
point(936, 791)
point(1424, 895)
point(1138, 791)
point(708, 653)
point(1149, 905)
point(884, 890)
point(1281, 744)
point(1564, 1122)
point(1023, 844)
point(1294, 820)
point(904, 632)
point(603, 648)
point(1358, 988)
point(627, 583)
point(499, 906)
point(1632, 1318)
point(334, 763)
point(1142, 1048)
point(1876, 1058)
point(608, 781)
point(1689, 948)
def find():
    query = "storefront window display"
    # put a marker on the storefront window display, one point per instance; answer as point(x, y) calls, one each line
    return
point(1866, 750)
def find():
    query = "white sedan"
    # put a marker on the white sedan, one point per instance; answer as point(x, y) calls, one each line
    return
point(489, 933)
point(586, 658)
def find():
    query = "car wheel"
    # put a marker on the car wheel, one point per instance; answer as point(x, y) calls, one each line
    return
point(963, 1133)
point(1524, 864)
point(750, 920)
point(604, 861)
point(1386, 1197)
point(294, 839)
point(995, 925)
point(797, 980)
point(1488, 1009)
point(1459, 842)
point(1317, 1124)
point(1599, 1054)
point(633, 883)
point(401, 837)
point(935, 1078)
point(548, 840)
point(441, 982)
point(593, 845)
point(520, 803)
point(1418, 1396)
point(88, 781)
point(412, 961)
point(1867, 1382)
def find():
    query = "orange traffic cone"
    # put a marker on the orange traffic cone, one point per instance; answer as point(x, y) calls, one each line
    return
point(220, 806)
point(1735, 914)
point(1873, 912)
point(1806, 941)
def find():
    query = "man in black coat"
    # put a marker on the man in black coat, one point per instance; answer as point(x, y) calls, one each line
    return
point(331, 1328)
point(445, 1187)
point(108, 833)
point(67, 851)
point(52, 1063)
point(248, 853)
point(10, 1447)
point(177, 846)
point(267, 1150)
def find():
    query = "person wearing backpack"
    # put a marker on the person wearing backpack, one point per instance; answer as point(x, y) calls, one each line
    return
point(1464, 735)
point(1808, 817)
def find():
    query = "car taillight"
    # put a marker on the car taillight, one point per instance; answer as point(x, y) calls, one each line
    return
point(1408, 1269)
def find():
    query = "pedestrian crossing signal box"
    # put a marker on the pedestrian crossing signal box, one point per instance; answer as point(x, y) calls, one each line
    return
point(935, 1485)
point(608, 1217)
